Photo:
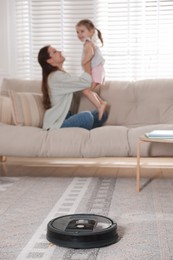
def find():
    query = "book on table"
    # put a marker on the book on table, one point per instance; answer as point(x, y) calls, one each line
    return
point(163, 134)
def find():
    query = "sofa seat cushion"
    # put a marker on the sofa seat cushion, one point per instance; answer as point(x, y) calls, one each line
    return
point(107, 141)
point(78, 142)
point(21, 140)
point(149, 149)
point(65, 142)
point(27, 141)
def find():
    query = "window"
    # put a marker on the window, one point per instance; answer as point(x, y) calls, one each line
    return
point(139, 39)
point(137, 35)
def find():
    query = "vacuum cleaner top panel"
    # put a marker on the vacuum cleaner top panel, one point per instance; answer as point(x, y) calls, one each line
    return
point(81, 223)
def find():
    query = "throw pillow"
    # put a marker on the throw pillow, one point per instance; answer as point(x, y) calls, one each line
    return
point(28, 109)
point(5, 110)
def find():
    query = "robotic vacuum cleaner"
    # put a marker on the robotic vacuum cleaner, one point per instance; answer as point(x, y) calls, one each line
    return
point(82, 231)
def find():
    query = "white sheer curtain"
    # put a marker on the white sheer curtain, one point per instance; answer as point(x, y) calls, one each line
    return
point(137, 34)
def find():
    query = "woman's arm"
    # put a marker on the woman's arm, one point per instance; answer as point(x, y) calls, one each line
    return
point(65, 83)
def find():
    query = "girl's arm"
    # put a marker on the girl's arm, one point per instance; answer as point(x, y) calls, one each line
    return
point(88, 52)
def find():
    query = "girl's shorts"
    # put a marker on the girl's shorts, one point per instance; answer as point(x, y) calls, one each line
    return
point(98, 74)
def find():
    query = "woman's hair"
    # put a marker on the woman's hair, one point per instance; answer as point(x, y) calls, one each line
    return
point(43, 56)
point(90, 26)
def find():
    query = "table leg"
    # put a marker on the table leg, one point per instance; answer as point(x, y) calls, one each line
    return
point(3, 160)
point(138, 168)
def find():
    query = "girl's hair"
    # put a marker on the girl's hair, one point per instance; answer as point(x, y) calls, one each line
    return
point(90, 26)
point(43, 56)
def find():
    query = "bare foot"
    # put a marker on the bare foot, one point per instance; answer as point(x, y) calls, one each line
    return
point(102, 109)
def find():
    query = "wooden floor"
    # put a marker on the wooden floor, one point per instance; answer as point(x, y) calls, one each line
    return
point(107, 167)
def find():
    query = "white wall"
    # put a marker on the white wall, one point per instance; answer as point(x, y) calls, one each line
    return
point(6, 44)
point(3, 39)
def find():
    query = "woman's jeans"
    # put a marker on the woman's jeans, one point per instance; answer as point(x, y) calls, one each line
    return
point(85, 119)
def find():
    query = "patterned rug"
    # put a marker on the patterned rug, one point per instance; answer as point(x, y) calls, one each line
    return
point(145, 219)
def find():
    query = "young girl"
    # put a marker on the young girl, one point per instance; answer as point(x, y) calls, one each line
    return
point(92, 61)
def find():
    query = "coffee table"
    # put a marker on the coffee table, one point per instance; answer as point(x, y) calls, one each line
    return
point(144, 139)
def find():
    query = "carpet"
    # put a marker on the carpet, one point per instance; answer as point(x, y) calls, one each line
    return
point(145, 219)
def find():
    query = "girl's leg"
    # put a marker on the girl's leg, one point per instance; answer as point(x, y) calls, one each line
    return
point(94, 85)
point(96, 101)
point(83, 119)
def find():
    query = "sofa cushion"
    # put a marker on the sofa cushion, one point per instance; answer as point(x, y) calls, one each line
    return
point(66, 142)
point(22, 141)
point(77, 142)
point(20, 85)
point(69, 142)
point(107, 141)
point(149, 149)
point(142, 102)
point(5, 110)
point(28, 109)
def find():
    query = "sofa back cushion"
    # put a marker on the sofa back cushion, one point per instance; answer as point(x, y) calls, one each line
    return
point(5, 110)
point(139, 102)
point(132, 103)
point(20, 85)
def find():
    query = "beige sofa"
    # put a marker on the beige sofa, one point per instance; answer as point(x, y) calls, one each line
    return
point(136, 107)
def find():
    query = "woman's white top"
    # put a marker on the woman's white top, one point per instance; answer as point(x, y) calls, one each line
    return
point(61, 88)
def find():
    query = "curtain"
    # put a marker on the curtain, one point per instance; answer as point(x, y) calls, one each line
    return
point(137, 35)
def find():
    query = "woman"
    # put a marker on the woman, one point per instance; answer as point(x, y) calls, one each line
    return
point(58, 87)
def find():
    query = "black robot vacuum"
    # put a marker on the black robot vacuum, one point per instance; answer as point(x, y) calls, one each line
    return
point(82, 231)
